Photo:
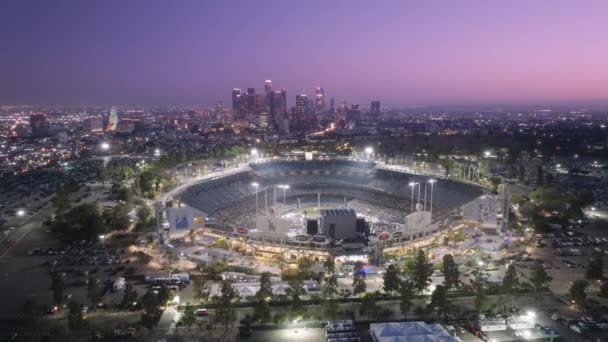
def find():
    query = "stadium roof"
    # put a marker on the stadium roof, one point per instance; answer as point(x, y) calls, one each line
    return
point(338, 212)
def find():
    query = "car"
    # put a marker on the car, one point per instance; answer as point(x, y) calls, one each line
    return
point(201, 312)
point(576, 328)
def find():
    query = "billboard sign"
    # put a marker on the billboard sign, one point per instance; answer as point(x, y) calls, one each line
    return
point(180, 218)
point(384, 236)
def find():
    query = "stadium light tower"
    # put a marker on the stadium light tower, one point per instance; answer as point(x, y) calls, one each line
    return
point(284, 187)
point(412, 185)
point(432, 181)
point(256, 185)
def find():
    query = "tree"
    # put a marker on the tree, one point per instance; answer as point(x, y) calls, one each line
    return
point(450, 272)
point(604, 289)
point(76, 318)
point(93, 292)
point(189, 317)
point(143, 216)
point(225, 314)
point(422, 271)
point(58, 288)
point(330, 290)
point(391, 279)
point(129, 297)
point(510, 280)
point(539, 278)
point(595, 270)
point(369, 305)
point(117, 217)
point(577, 293)
point(163, 294)
point(406, 296)
point(358, 279)
point(439, 301)
point(479, 284)
point(61, 203)
point(295, 292)
point(263, 297)
point(199, 293)
point(80, 223)
point(151, 310)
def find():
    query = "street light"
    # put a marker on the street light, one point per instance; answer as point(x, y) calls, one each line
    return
point(531, 314)
point(254, 153)
point(487, 154)
point(20, 212)
point(256, 185)
point(102, 238)
point(369, 151)
point(157, 152)
point(104, 146)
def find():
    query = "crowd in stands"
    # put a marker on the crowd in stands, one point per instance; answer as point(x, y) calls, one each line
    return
point(382, 194)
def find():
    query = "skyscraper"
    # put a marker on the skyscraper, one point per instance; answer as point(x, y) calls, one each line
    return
point(39, 124)
point(278, 107)
point(268, 86)
point(112, 120)
point(301, 102)
point(332, 106)
point(375, 108)
point(237, 100)
point(319, 101)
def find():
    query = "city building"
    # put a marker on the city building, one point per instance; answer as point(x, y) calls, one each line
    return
point(237, 103)
point(40, 125)
point(300, 109)
point(112, 120)
point(375, 109)
point(319, 101)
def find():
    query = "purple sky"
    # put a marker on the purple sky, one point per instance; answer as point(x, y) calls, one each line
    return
point(399, 52)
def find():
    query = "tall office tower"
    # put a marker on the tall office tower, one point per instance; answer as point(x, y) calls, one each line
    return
point(219, 107)
point(375, 108)
point(332, 107)
point(277, 107)
point(39, 124)
point(112, 120)
point(284, 94)
point(268, 91)
point(301, 102)
point(237, 103)
point(250, 101)
point(343, 108)
point(319, 101)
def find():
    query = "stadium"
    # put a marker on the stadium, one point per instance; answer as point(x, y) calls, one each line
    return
point(326, 203)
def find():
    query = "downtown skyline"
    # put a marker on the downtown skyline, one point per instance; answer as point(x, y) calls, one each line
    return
point(410, 53)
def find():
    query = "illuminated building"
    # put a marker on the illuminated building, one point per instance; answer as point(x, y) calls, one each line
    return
point(112, 120)
point(319, 101)
point(39, 124)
